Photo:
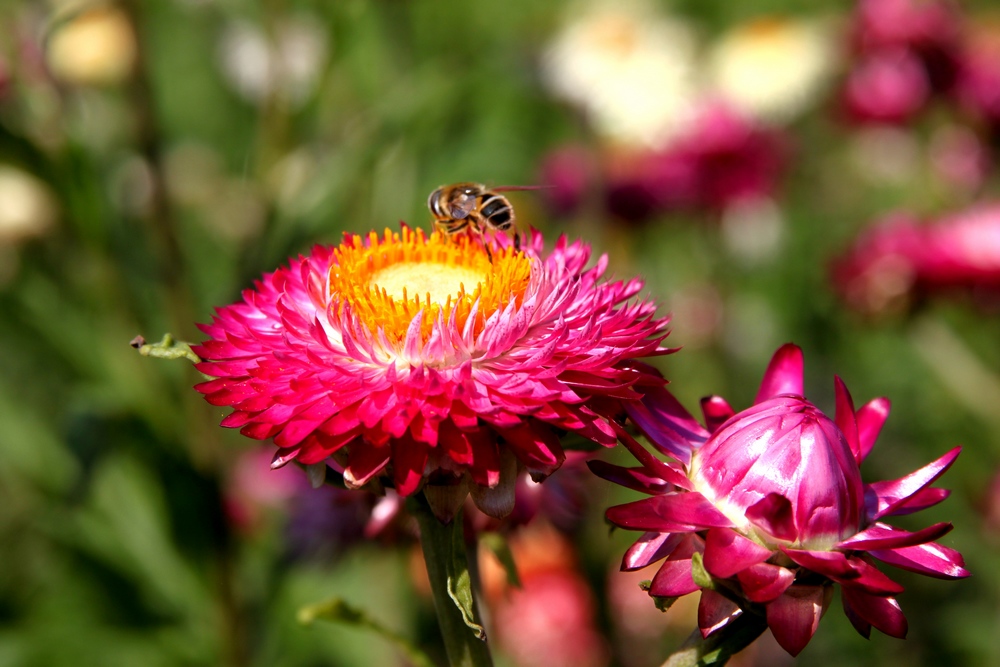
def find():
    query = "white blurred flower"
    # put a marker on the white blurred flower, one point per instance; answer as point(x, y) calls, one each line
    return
point(631, 70)
point(772, 68)
point(27, 206)
point(94, 47)
point(288, 65)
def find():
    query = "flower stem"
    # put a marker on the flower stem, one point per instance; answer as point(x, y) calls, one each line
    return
point(448, 570)
point(718, 648)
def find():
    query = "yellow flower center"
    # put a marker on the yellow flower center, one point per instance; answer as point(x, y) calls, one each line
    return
point(394, 277)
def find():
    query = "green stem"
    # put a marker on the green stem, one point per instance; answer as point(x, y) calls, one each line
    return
point(719, 647)
point(448, 571)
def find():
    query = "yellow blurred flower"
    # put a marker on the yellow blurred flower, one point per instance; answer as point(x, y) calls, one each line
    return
point(631, 70)
point(772, 68)
point(27, 206)
point(95, 47)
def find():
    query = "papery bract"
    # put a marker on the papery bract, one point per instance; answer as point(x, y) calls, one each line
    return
point(412, 359)
point(769, 503)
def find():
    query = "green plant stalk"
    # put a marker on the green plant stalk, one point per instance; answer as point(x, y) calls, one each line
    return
point(448, 571)
point(697, 651)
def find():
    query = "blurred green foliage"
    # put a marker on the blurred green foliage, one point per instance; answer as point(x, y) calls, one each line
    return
point(175, 193)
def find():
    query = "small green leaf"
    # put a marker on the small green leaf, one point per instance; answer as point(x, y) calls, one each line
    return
point(460, 592)
point(338, 611)
point(699, 573)
point(167, 348)
point(497, 544)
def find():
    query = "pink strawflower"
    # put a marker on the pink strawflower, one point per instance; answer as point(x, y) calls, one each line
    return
point(423, 359)
point(899, 257)
point(768, 506)
point(978, 86)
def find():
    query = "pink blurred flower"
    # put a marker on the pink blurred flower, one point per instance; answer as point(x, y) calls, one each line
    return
point(372, 354)
point(886, 87)
point(978, 87)
point(722, 158)
point(898, 257)
point(550, 620)
point(929, 29)
point(769, 503)
point(569, 173)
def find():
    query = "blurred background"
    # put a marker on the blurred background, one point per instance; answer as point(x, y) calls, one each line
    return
point(816, 172)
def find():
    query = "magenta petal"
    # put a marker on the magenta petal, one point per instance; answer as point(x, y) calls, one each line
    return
point(671, 513)
point(794, 616)
point(773, 514)
point(667, 424)
point(870, 419)
point(921, 500)
point(882, 498)
point(717, 411)
point(764, 582)
point(648, 549)
point(638, 479)
point(931, 559)
point(664, 470)
point(715, 612)
point(845, 570)
point(863, 627)
point(845, 418)
point(882, 536)
point(882, 612)
point(673, 580)
point(364, 462)
point(727, 552)
point(783, 374)
point(409, 457)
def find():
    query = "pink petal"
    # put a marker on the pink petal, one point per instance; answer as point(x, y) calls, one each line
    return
point(638, 479)
point(845, 418)
point(845, 571)
point(486, 470)
point(882, 612)
point(648, 549)
point(673, 579)
point(764, 582)
point(882, 498)
point(727, 552)
point(783, 374)
point(715, 612)
point(931, 559)
point(667, 424)
point(671, 513)
point(773, 514)
point(863, 627)
point(536, 446)
point(870, 419)
point(717, 411)
point(794, 616)
point(882, 536)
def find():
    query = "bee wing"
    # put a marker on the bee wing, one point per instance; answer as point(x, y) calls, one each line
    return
point(510, 188)
point(463, 206)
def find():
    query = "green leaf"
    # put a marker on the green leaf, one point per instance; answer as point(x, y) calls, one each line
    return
point(338, 611)
point(699, 573)
point(497, 544)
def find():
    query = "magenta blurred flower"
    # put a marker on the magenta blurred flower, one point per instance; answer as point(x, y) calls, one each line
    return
point(929, 29)
point(722, 158)
point(768, 505)
point(899, 257)
point(886, 87)
point(373, 355)
point(978, 87)
point(569, 173)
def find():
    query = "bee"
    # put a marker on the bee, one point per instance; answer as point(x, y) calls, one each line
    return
point(471, 207)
